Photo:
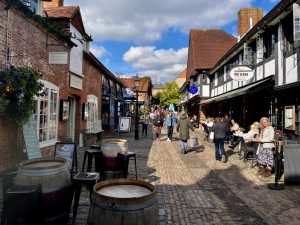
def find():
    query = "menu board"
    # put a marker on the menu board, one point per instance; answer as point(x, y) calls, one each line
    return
point(66, 151)
point(124, 124)
point(31, 139)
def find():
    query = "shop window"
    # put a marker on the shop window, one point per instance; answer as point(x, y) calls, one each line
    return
point(204, 79)
point(119, 92)
point(92, 117)
point(288, 39)
point(113, 88)
point(105, 110)
point(46, 114)
point(105, 86)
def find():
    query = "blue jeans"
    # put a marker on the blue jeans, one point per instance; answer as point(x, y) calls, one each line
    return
point(183, 145)
point(219, 148)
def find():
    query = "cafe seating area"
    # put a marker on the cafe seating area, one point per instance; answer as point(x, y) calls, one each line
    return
point(98, 165)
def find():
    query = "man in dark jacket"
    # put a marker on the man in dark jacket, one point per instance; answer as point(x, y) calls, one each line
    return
point(227, 127)
point(183, 126)
point(219, 129)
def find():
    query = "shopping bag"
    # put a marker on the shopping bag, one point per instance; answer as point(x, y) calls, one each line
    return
point(194, 141)
point(211, 135)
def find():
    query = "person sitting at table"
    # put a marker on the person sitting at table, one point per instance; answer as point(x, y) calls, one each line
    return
point(248, 137)
point(234, 130)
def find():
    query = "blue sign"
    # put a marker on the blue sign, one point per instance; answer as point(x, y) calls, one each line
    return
point(193, 89)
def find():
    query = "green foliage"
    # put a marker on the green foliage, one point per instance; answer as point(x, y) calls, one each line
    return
point(157, 99)
point(18, 87)
point(171, 95)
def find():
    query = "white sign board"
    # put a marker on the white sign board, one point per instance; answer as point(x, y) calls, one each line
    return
point(75, 81)
point(241, 73)
point(124, 124)
point(58, 58)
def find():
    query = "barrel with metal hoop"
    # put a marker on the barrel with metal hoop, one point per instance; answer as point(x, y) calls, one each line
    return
point(54, 177)
point(123, 202)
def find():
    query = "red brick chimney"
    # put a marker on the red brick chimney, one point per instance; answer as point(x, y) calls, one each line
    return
point(247, 18)
point(53, 3)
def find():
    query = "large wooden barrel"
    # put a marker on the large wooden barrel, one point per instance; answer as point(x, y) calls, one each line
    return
point(110, 149)
point(123, 202)
point(54, 177)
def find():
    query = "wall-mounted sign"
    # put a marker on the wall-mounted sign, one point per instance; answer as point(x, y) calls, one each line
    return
point(193, 89)
point(241, 73)
point(58, 58)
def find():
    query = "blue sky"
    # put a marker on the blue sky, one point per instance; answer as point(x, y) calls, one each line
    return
point(150, 37)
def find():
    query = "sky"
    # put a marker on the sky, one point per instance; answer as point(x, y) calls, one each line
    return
point(151, 37)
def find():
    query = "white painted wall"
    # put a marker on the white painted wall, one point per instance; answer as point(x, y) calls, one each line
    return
point(76, 55)
point(205, 90)
point(260, 72)
point(280, 56)
point(235, 84)
point(291, 69)
point(220, 90)
point(270, 68)
point(229, 86)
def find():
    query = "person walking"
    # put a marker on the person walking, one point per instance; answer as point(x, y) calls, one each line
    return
point(219, 130)
point(158, 123)
point(145, 121)
point(265, 152)
point(183, 126)
point(170, 123)
point(227, 130)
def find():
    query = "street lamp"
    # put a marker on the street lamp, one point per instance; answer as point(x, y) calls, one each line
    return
point(137, 84)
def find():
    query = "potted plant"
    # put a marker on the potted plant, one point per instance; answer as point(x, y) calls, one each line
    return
point(87, 138)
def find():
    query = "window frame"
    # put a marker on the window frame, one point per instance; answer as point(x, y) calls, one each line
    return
point(37, 114)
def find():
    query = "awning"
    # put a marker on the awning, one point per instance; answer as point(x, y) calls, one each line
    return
point(241, 91)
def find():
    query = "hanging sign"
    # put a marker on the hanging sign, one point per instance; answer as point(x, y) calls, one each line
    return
point(193, 89)
point(241, 73)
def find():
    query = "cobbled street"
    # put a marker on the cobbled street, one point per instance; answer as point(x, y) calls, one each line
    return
point(195, 189)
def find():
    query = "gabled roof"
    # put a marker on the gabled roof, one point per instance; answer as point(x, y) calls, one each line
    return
point(182, 74)
point(209, 46)
point(206, 47)
point(145, 82)
point(61, 12)
point(66, 13)
point(159, 85)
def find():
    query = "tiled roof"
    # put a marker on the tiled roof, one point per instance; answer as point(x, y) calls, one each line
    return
point(158, 85)
point(182, 74)
point(61, 12)
point(207, 47)
point(145, 82)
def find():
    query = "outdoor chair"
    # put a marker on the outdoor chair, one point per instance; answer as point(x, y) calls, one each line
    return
point(248, 150)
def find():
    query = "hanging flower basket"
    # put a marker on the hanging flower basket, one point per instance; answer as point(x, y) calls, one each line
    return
point(19, 86)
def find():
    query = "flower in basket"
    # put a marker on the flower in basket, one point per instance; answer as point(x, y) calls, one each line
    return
point(19, 86)
point(278, 135)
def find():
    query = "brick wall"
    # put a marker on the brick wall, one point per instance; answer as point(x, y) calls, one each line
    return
point(53, 3)
point(244, 16)
point(27, 42)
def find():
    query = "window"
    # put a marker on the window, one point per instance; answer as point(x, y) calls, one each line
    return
point(92, 108)
point(105, 86)
point(46, 114)
point(287, 28)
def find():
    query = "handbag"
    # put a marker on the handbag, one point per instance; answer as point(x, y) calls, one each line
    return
point(194, 141)
point(211, 135)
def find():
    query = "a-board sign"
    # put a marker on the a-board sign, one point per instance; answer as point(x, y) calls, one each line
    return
point(124, 124)
point(31, 139)
point(66, 151)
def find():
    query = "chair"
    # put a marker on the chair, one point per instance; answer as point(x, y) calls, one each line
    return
point(68, 151)
point(248, 150)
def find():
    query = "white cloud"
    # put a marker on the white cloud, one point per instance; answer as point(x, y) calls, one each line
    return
point(144, 21)
point(99, 51)
point(151, 61)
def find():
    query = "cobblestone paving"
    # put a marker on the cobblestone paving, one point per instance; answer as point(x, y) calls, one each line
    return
point(194, 189)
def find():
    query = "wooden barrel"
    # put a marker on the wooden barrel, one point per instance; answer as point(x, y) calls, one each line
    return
point(110, 149)
point(54, 177)
point(123, 202)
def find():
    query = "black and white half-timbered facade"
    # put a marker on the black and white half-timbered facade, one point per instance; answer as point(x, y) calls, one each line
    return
point(260, 75)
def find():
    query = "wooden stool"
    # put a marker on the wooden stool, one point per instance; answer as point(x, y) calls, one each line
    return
point(126, 157)
point(82, 178)
point(90, 153)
